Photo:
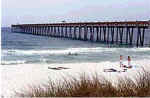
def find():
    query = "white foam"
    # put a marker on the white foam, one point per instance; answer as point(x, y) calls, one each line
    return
point(72, 50)
point(13, 62)
point(138, 49)
point(66, 51)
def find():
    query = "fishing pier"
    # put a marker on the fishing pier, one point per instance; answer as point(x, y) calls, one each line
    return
point(130, 32)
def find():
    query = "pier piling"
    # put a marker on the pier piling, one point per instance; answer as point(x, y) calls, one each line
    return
point(130, 32)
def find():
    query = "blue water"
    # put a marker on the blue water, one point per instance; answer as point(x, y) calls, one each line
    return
point(19, 48)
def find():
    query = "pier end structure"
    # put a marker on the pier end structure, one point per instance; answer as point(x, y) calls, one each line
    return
point(129, 32)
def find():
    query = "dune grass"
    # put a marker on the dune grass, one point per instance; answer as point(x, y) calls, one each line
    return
point(95, 86)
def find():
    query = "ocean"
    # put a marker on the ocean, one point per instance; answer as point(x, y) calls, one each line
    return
point(19, 48)
point(25, 59)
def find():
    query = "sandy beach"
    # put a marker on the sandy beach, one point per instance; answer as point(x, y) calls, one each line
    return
point(20, 77)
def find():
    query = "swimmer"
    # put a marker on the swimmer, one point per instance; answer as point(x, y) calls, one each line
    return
point(69, 53)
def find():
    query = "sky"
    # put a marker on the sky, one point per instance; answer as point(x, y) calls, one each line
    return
point(52, 11)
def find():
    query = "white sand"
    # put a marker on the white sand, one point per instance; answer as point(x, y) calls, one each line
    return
point(17, 77)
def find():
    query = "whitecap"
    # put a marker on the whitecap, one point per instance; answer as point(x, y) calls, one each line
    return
point(72, 50)
point(13, 62)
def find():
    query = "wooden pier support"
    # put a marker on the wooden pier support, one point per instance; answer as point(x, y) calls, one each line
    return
point(85, 33)
point(140, 36)
point(91, 33)
point(75, 35)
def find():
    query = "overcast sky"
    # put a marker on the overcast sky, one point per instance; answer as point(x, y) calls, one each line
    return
point(48, 11)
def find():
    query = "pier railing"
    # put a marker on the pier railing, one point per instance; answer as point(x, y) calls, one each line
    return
point(131, 32)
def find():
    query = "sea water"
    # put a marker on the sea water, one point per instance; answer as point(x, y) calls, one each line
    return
point(19, 48)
